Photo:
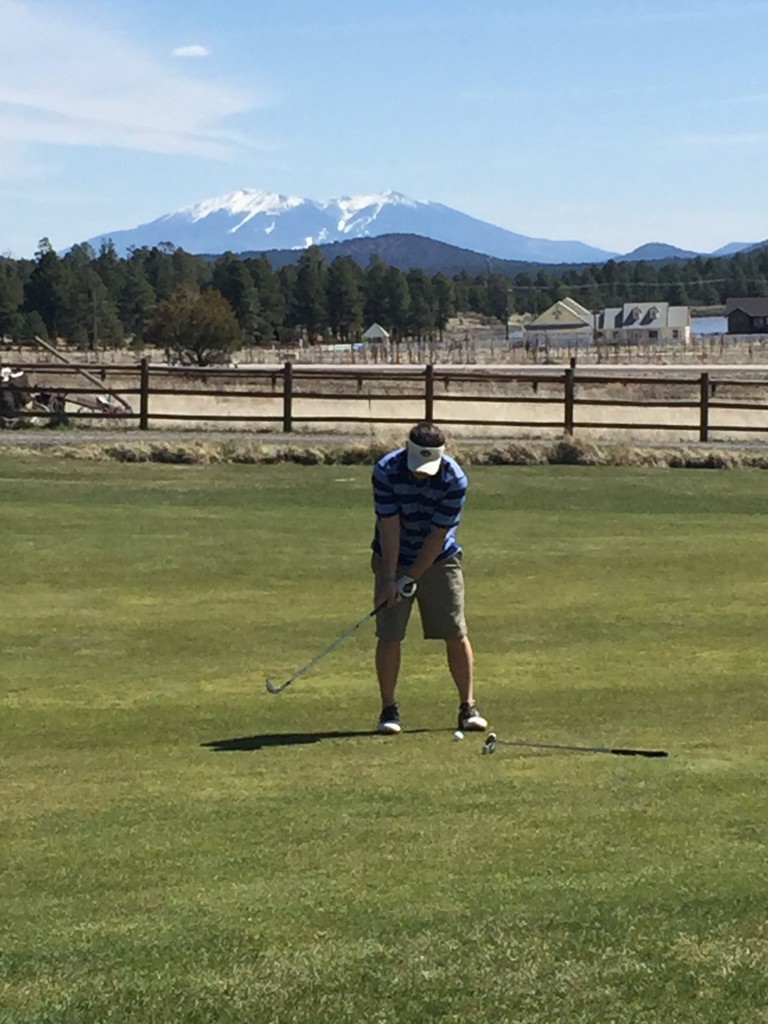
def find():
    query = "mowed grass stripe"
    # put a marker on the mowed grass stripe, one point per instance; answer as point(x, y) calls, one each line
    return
point(182, 846)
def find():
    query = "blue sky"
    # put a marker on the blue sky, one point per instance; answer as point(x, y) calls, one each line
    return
point(615, 122)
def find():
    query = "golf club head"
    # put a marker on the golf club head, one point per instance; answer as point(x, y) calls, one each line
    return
point(489, 747)
point(272, 688)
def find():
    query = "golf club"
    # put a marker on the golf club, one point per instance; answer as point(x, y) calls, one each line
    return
point(489, 747)
point(406, 589)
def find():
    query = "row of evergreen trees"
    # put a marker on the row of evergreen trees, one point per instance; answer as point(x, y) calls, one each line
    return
point(99, 299)
point(159, 294)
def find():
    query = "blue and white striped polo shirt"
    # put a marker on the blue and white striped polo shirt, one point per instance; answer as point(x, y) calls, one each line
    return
point(422, 502)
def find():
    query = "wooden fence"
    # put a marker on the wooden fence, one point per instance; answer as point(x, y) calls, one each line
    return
point(569, 396)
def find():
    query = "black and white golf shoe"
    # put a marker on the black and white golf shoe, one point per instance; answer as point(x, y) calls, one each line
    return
point(389, 721)
point(470, 719)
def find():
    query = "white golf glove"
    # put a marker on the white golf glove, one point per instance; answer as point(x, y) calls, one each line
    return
point(406, 587)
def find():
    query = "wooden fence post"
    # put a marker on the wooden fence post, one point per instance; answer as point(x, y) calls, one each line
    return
point(288, 398)
point(704, 407)
point(569, 395)
point(144, 394)
point(429, 393)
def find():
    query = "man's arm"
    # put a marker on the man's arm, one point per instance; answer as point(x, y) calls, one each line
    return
point(389, 536)
point(430, 549)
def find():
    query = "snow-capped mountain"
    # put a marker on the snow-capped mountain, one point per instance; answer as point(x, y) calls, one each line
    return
point(254, 221)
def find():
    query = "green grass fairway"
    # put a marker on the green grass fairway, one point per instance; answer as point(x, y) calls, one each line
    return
point(181, 847)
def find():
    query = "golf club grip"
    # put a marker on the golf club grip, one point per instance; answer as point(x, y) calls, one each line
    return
point(629, 752)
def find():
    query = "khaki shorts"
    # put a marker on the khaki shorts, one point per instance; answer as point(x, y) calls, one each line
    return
point(440, 597)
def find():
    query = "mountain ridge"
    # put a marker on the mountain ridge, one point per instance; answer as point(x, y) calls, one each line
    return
point(413, 252)
point(256, 220)
point(252, 220)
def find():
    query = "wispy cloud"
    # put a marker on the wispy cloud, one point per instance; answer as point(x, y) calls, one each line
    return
point(87, 86)
point(190, 51)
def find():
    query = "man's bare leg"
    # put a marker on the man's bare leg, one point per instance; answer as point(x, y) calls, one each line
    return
point(387, 669)
point(461, 665)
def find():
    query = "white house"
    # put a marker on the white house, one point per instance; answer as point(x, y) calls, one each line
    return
point(649, 322)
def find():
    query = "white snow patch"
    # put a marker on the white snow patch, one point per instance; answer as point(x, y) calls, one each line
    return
point(268, 230)
point(350, 207)
point(248, 201)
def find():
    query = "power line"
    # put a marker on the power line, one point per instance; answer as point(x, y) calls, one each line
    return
point(617, 285)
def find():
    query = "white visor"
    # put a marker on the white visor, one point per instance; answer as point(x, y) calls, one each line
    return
point(424, 460)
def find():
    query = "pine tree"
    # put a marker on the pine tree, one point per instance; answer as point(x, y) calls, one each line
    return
point(398, 301)
point(233, 279)
point(288, 277)
point(311, 308)
point(376, 306)
point(136, 300)
point(110, 268)
point(272, 301)
point(11, 299)
point(421, 313)
point(159, 270)
point(497, 298)
point(46, 292)
point(345, 297)
point(444, 302)
point(90, 317)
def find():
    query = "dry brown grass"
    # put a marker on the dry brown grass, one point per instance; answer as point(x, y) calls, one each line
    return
point(562, 451)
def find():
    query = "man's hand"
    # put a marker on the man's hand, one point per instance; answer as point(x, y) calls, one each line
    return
point(386, 594)
point(389, 591)
point(406, 587)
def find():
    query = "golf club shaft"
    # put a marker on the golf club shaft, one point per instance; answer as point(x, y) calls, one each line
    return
point(625, 751)
point(318, 657)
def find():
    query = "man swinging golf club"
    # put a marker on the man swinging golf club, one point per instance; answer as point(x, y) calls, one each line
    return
point(418, 494)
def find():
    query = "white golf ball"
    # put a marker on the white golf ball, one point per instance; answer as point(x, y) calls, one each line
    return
point(458, 735)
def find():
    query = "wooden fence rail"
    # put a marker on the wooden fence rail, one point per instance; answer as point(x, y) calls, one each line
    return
point(439, 391)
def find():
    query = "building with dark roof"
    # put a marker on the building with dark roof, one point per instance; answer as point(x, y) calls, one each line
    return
point(747, 316)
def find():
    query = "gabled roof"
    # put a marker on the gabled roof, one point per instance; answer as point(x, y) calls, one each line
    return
point(375, 333)
point(644, 316)
point(649, 315)
point(576, 308)
point(751, 306)
point(565, 314)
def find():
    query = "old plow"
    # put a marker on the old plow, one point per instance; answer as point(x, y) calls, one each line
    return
point(32, 398)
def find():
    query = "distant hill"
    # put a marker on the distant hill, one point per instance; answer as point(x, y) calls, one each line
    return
point(654, 251)
point(407, 252)
point(734, 247)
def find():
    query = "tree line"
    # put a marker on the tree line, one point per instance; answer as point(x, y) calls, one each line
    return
point(201, 309)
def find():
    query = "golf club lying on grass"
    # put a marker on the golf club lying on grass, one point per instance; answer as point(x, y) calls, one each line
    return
point(406, 588)
point(489, 747)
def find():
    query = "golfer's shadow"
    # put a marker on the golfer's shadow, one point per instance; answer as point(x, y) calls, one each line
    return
point(290, 739)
